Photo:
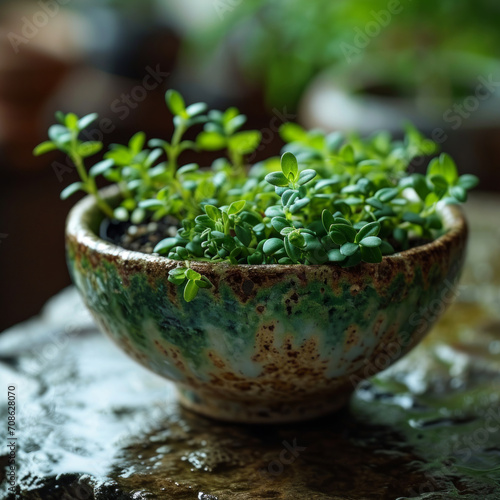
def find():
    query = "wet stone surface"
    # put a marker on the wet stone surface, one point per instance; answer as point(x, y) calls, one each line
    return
point(92, 424)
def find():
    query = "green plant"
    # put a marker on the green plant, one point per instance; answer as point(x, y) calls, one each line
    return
point(328, 199)
point(414, 44)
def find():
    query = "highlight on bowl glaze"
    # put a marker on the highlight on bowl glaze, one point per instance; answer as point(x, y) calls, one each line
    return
point(268, 343)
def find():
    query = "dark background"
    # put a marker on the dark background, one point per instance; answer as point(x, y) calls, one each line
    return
point(339, 65)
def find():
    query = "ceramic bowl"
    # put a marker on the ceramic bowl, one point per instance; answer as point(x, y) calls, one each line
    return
point(268, 343)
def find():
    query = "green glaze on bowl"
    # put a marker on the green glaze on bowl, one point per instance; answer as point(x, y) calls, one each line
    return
point(268, 343)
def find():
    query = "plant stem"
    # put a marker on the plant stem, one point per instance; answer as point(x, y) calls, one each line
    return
point(89, 181)
point(174, 148)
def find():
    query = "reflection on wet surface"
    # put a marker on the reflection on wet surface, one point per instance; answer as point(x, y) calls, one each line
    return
point(95, 425)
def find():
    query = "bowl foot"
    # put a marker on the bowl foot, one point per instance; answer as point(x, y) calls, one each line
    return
point(262, 412)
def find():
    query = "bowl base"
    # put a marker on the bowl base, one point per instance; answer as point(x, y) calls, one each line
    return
point(262, 412)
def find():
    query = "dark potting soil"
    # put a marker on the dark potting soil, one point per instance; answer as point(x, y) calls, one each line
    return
point(138, 237)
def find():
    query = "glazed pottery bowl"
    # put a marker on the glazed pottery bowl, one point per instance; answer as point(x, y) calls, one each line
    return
point(268, 343)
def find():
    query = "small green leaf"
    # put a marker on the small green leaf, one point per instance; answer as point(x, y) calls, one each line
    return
point(175, 103)
point(196, 109)
point(296, 239)
point(190, 291)
point(138, 216)
point(279, 223)
point(337, 237)
point(432, 198)
point(288, 197)
point(59, 134)
point(434, 222)
point(333, 141)
point(372, 255)
point(443, 166)
point(101, 167)
point(277, 179)
point(164, 246)
point(419, 184)
point(84, 122)
point(370, 229)
point(335, 255)
point(353, 260)
point(186, 169)
point(291, 132)
point(89, 148)
point(60, 117)
point(177, 280)
point(243, 234)
point(353, 200)
point(413, 218)
point(72, 189)
point(292, 250)
point(449, 200)
point(137, 142)
point(236, 207)
point(178, 271)
point(468, 181)
point(306, 176)
point(245, 142)
point(44, 147)
point(387, 194)
point(348, 231)
point(182, 252)
point(255, 258)
point(213, 212)
point(286, 230)
point(211, 141)
point(440, 184)
point(347, 153)
point(386, 248)
point(121, 214)
point(375, 203)
point(299, 205)
point(272, 245)
point(204, 283)
point(371, 241)
point(289, 166)
point(152, 204)
point(231, 125)
point(71, 121)
point(459, 193)
point(192, 275)
point(349, 249)
point(327, 220)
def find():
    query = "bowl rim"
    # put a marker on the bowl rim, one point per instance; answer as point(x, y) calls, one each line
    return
point(84, 212)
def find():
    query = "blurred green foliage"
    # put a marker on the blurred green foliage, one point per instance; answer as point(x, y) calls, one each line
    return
point(283, 44)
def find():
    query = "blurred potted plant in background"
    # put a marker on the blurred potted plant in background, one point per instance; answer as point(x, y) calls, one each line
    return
point(370, 65)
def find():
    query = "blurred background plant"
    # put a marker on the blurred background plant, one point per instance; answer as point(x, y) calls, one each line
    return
point(411, 40)
point(341, 65)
